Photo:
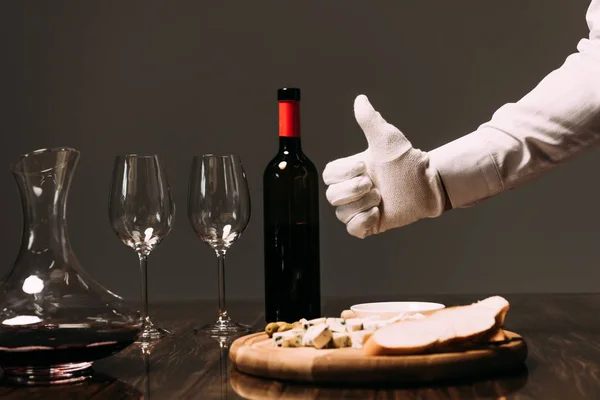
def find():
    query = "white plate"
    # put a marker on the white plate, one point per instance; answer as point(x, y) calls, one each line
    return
point(390, 309)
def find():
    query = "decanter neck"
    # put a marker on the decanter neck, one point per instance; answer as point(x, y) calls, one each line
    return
point(44, 222)
point(43, 180)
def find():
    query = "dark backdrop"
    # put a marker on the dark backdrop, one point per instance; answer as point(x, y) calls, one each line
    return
point(189, 77)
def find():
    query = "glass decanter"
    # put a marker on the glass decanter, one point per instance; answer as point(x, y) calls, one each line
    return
point(55, 320)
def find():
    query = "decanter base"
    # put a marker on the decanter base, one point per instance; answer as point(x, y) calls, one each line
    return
point(51, 375)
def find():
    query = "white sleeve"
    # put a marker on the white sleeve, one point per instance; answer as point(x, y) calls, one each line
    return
point(558, 119)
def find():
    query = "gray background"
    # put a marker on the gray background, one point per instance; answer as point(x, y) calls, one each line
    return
point(187, 77)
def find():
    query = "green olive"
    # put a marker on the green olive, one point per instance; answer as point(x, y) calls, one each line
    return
point(286, 327)
point(271, 328)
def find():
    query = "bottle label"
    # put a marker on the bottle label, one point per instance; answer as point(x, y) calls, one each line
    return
point(289, 118)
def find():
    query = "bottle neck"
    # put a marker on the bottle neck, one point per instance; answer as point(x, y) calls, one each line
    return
point(289, 118)
point(289, 126)
point(291, 145)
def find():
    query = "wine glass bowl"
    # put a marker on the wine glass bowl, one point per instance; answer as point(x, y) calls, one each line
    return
point(219, 212)
point(141, 213)
point(218, 201)
point(219, 238)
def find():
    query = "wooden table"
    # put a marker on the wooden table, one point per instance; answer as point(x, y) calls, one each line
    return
point(562, 331)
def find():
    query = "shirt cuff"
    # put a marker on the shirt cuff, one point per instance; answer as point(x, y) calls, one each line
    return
point(467, 169)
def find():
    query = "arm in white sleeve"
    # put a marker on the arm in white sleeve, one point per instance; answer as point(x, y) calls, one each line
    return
point(558, 119)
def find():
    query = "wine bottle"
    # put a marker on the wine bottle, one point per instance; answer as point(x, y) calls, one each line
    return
point(291, 222)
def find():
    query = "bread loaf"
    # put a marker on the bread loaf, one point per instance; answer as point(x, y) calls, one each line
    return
point(481, 321)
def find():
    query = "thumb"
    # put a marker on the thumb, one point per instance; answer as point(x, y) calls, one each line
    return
point(385, 140)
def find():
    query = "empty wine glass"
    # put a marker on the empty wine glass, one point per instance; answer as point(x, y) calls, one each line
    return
point(141, 214)
point(219, 211)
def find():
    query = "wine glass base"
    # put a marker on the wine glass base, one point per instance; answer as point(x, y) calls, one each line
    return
point(223, 327)
point(50, 375)
point(151, 334)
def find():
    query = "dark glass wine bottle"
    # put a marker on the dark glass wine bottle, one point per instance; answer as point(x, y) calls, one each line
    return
point(291, 222)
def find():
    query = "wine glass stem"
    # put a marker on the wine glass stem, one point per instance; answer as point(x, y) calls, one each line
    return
point(144, 271)
point(221, 266)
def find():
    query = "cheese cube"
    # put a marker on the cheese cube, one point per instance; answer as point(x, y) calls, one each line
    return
point(359, 338)
point(340, 340)
point(292, 338)
point(317, 336)
point(353, 324)
point(305, 324)
point(336, 324)
point(374, 324)
point(316, 321)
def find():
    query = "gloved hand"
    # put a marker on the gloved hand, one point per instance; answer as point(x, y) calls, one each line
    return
point(389, 185)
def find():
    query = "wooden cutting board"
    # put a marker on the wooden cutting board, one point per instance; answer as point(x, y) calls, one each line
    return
point(255, 355)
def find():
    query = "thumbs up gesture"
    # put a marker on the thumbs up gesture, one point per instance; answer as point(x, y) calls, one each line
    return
point(389, 185)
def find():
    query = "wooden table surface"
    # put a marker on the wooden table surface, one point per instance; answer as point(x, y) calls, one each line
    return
point(562, 332)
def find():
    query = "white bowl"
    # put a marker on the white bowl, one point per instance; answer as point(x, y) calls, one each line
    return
point(390, 309)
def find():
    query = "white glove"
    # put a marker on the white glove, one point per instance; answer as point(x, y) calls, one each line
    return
point(389, 185)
